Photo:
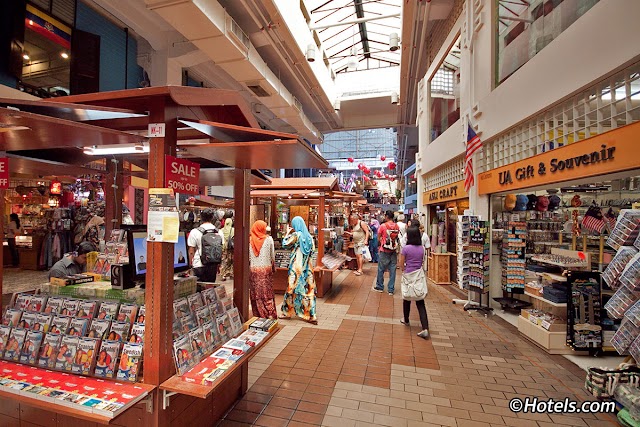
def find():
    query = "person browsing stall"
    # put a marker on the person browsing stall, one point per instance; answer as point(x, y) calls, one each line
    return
point(205, 269)
point(72, 263)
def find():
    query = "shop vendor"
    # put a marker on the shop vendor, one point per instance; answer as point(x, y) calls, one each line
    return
point(72, 263)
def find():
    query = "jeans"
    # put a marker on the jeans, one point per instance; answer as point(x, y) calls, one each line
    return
point(373, 249)
point(422, 311)
point(387, 261)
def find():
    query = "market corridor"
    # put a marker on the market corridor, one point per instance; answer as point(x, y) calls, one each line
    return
point(360, 367)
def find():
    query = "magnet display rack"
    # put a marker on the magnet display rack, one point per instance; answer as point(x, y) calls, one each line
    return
point(513, 264)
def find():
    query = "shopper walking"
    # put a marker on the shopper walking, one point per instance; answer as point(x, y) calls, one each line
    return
point(14, 229)
point(403, 231)
point(262, 265)
point(300, 298)
point(389, 236)
point(411, 264)
point(226, 267)
point(374, 225)
point(360, 236)
point(205, 248)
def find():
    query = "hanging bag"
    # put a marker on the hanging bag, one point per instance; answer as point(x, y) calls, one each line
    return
point(366, 254)
point(414, 285)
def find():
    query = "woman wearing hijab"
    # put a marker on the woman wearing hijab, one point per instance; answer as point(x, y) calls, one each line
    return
point(300, 298)
point(226, 266)
point(262, 259)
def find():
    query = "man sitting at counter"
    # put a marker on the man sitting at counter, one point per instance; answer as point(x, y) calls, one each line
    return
point(72, 263)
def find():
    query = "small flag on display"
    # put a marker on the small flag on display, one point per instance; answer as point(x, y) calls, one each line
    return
point(473, 145)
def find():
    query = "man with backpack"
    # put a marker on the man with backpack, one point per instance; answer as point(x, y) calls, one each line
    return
point(389, 238)
point(205, 248)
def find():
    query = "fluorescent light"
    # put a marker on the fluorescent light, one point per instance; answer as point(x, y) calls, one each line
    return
point(115, 149)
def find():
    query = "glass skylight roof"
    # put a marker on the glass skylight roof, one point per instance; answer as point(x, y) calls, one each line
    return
point(368, 40)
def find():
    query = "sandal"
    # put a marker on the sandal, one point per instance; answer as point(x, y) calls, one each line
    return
point(313, 322)
point(358, 273)
point(282, 316)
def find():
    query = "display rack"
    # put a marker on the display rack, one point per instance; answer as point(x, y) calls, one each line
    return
point(584, 330)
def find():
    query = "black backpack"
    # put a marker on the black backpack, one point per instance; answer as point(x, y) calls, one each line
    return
point(211, 246)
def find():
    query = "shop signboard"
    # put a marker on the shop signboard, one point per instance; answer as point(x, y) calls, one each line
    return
point(4, 172)
point(446, 193)
point(610, 152)
point(181, 175)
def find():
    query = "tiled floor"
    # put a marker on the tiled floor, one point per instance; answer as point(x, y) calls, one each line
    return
point(360, 367)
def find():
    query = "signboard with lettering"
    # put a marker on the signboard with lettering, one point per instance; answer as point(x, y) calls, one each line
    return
point(181, 175)
point(610, 152)
point(156, 130)
point(4, 172)
point(447, 193)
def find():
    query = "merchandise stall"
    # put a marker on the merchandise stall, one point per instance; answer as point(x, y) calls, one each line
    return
point(319, 202)
point(551, 218)
point(173, 116)
point(445, 205)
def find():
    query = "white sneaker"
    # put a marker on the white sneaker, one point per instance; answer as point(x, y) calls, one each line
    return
point(424, 334)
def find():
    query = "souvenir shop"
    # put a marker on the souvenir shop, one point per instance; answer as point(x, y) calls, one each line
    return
point(100, 348)
point(323, 207)
point(564, 225)
point(444, 206)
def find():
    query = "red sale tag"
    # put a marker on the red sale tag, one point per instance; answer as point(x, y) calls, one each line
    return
point(181, 175)
point(4, 172)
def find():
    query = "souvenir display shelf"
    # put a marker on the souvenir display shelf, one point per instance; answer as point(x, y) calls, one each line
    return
point(177, 384)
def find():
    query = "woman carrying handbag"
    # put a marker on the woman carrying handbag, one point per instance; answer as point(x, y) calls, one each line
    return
point(414, 281)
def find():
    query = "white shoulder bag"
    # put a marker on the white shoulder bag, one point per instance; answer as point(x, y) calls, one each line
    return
point(414, 285)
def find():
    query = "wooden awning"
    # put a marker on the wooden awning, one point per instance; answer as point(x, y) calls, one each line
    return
point(311, 183)
point(36, 167)
point(281, 193)
point(226, 176)
point(69, 111)
point(20, 130)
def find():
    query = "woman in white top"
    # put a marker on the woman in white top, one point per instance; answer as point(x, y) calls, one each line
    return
point(14, 229)
point(262, 262)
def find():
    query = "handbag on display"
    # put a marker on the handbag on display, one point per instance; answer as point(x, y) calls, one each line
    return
point(602, 382)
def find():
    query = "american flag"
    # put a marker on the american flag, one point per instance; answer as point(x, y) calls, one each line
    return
point(473, 145)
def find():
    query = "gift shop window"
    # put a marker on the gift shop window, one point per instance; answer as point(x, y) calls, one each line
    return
point(444, 91)
point(526, 27)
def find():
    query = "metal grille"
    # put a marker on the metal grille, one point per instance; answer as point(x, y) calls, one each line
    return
point(442, 82)
point(606, 105)
point(446, 174)
point(64, 10)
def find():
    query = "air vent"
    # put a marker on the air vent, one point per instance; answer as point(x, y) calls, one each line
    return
point(258, 90)
point(297, 104)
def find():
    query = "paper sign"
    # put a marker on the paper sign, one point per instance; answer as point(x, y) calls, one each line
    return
point(4, 172)
point(546, 325)
point(156, 130)
point(163, 222)
point(181, 175)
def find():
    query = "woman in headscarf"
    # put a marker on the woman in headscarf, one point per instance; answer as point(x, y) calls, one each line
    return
point(226, 266)
point(262, 259)
point(300, 298)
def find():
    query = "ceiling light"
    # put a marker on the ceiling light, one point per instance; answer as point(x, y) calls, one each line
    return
point(394, 42)
point(139, 148)
point(88, 150)
point(116, 149)
point(394, 97)
point(30, 22)
point(26, 56)
point(336, 105)
point(311, 52)
point(65, 55)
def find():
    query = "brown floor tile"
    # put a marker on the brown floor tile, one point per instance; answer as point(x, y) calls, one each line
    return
point(242, 416)
point(308, 417)
point(316, 408)
point(278, 412)
point(246, 405)
point(284, 402)
point(267, 421)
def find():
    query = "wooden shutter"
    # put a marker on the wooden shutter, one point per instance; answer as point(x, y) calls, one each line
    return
point(85, 62)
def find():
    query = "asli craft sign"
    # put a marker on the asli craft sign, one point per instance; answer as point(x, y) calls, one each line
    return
point(610, 152)
point(446, 193)
point(181, 175)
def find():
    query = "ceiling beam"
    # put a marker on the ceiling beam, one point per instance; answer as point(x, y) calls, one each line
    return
point(363, 28)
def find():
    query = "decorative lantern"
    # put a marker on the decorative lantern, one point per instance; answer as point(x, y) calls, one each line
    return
point(383, 158)
point(350, 159)
point(366, 171)
point(55, 188)
point(391, 165)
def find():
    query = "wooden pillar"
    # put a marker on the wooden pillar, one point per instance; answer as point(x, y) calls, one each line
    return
point(273, 218)
point(241, 197)
point(113, 196)
point(158, 348)
point(321, 226)
point(2, 219)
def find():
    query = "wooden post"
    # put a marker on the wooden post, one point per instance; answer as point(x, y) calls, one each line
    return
point(273, 220)
point(158, 348)
point(113, 196)
point(321, 225)
point(241, 197)
point(2, 219)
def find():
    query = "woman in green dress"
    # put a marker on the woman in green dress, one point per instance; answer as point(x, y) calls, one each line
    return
point(300, 298)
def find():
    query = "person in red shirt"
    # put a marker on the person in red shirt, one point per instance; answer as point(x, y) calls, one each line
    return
point(389, 238)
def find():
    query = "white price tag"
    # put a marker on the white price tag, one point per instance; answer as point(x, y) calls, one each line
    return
point(546, 325)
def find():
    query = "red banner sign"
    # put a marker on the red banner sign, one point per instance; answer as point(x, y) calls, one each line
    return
point(181, 175)
point(4, 172)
